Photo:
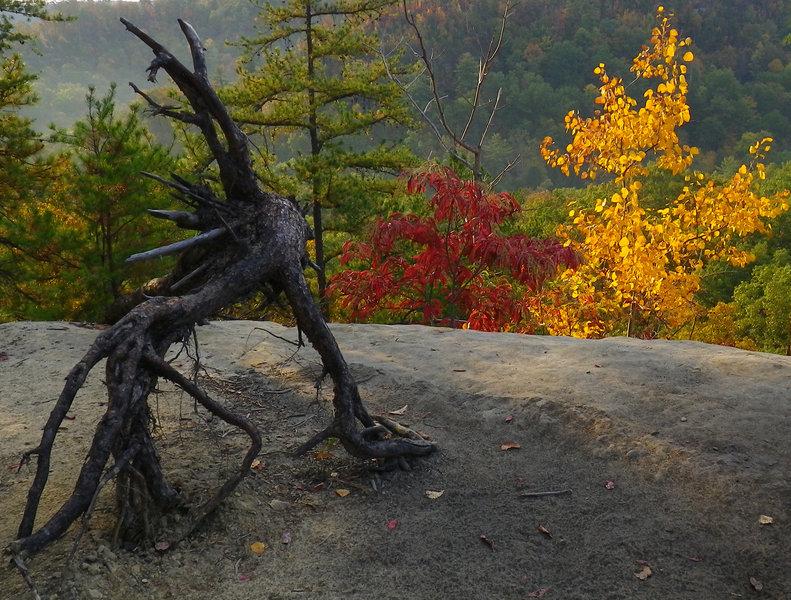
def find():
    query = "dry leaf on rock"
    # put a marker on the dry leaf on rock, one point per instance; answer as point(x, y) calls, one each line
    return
point(400, 411)
point(258, 548)
point(279, 505)
point(544, 530)
point(392, 524)
point(537, 593)
point(342, 493)
point(765, 520)
point(434, 495)
point(256, 465)
point(610, 485)
point(644, 573)
point(509, 418)
point(510, 446)
point(489, 542)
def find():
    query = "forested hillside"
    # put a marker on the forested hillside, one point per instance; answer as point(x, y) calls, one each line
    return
point(93, 50)
point(681, 114)
point(739, 83)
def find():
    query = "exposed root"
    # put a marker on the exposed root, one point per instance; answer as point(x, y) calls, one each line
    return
point(250, 240)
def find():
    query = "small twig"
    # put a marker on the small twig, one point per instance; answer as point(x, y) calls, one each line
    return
point(23, 569)
point(542, 494)
point(122, 461)
point(274, 335)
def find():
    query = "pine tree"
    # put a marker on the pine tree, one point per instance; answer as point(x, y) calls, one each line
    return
point(101, 202)
point(313, 86)
point(22, 174)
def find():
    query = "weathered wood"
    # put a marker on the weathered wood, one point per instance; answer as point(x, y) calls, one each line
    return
point(178, 247)
point(252, 241)
point(182, 218)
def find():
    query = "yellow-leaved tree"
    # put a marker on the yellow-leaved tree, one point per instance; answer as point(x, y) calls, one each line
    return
point(642, 265)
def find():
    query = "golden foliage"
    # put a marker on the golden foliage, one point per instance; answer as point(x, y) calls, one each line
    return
point(641, 265)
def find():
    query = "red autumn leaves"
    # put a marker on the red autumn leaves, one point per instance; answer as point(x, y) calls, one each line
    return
point(454, 267)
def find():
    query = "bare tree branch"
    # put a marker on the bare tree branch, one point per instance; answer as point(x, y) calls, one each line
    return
point(459, 144)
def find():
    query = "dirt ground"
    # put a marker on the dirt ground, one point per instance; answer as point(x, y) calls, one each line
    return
point(671, 462)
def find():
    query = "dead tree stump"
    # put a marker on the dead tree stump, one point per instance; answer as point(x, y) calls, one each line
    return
point(248, 240)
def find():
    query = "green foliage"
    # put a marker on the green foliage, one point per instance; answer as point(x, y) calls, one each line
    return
point(764, 305)
point(76, 234)
point(86, 51)
point(21, 172)
point(12, 11)
point(738, 43)
point(317, 96)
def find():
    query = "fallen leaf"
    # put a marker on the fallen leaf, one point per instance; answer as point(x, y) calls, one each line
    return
point(509, 418)
point(285, 538)
point(256, 465)
point(342, 493)
point(538, 593)
point(244, 578)
point(14, 466)
point(392, 524)
point(69, 417)
point(318, 487)
point(644, 573)
point(757, 585)
point(279, 505)
point(510, 446)
point(399, 411)
point(610, 485)
point(434, 495)
point(162, 546)
point(258, 548)
point(322, 455)
point(695, 559)
point(765, 520)
point(489, 543)
point(545, 531)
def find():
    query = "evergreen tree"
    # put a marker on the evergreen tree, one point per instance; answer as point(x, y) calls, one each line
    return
point(21, 173)
point(312, 85)
point(101, 202)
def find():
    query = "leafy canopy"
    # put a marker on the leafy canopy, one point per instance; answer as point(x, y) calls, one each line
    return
point(453, 267)
point(642, 265)
point(315, 94)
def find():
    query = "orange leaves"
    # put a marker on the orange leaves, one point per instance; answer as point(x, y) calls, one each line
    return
point(642, 265)
point(258, 548)
point(619, 135)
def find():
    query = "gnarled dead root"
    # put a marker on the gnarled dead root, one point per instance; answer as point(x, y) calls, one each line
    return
point(248, 241)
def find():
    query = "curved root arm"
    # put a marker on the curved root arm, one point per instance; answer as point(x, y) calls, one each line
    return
point(347, 404)
point(162, 368)
point(134, 348)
